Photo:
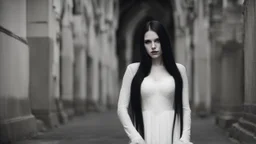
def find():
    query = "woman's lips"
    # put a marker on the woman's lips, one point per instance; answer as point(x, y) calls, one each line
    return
point(154, 52)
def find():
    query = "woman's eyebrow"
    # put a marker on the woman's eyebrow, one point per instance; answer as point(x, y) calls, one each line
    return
point(150, 39)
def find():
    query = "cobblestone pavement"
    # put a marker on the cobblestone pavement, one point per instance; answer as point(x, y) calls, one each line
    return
point(105, 128)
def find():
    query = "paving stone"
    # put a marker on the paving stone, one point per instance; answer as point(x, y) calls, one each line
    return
point(105, 128)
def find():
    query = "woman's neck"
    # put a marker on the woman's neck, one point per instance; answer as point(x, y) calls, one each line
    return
point(157, 62)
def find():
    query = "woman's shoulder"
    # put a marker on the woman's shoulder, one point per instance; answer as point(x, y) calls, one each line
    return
point(181, 67)
point(134, 66)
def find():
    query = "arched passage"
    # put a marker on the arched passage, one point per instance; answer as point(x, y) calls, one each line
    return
point(131, 21)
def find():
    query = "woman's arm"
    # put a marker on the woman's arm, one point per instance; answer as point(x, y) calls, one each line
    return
point(122, 106)
point(186, 108)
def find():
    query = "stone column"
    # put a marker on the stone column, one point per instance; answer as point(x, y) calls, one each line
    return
point(112, 84)
point(89, 82)
point(232, 75)
point(16, 120)
point(40, 38)
point(80, 61)
point(80, 64)
point(104, 66)
point(201, 99)
point(92, 65)
point(231, 84)
point(56, 32)
point(95, 55)
point(95, 86)
point(67, 60)
point(79, 85)
point(215, 66)
point(103, 48)
point(244, 130)
point(109, 96)
point(114, 67)
point(111, 23)
point(215, 54)
point(100, 84)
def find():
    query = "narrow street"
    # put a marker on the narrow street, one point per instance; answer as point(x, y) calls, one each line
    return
point(105, 128)
point(60, 58)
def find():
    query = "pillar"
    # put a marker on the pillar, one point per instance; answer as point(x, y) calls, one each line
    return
point(215, 54)
point(92, 63)
point(16, 120)
point(89, 82)
point(80, 64)
point(109, 96)
point(95, 86)
point(79, 57)
point(201, 95)
point(244, 130)
point(40, 38)
point(56, 31)
point(232, 75)
point(67, 60)
point(94, 54)
point(231, 84)
point(79, 81)
point(104, 58)
point(216, 80)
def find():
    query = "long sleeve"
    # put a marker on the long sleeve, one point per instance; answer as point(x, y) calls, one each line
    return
point(186, 107)
point(122, 106)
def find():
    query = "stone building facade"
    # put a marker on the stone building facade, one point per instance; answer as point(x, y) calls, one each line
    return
point(58, 59)
point(243, 130)
point(221, 63)
point(61, 58)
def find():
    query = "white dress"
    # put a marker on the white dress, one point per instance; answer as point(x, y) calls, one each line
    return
point(158, 113)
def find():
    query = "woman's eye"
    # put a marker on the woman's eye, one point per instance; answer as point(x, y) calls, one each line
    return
point(147, 42)
point(157, 40)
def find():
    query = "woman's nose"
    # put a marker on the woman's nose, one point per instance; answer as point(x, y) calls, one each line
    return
point(153, 45)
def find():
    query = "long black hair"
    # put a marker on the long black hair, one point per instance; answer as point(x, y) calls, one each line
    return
point(135, 109)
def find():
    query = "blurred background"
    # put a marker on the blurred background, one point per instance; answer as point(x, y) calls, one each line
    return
point(62, 63)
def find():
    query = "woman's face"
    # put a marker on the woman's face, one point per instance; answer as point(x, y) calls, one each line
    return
point(152, 44)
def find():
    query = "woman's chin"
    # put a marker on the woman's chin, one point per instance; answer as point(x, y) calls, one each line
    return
point(154, 56)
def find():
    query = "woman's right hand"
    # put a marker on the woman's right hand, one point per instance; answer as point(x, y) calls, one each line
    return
point(138, 141)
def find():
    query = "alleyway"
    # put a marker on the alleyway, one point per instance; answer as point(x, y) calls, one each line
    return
point(104, 128)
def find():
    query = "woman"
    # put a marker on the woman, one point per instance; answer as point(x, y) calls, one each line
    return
point(153, 104)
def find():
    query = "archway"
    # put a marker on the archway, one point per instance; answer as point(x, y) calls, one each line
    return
point(131, 22)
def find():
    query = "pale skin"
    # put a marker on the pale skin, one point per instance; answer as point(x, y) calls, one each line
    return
point(152, 43)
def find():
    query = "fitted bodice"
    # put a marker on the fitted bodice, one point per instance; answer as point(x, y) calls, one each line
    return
point(157, 95)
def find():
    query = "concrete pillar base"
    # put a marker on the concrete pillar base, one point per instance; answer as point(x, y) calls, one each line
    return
point(69, 108)
point(249, 113)
point(201, 110)
point(110, 105)
point(79, 107)
point(63, 117)
point(49, 118)
point(103, 108)
point(17, 128)
point(227, 115)
point(225, 121)
point(93, 106)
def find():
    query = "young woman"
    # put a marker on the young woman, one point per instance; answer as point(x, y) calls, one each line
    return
point(153, 104)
